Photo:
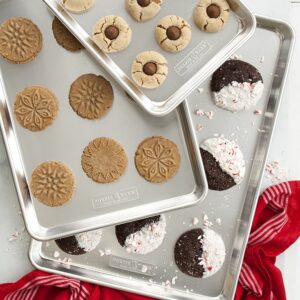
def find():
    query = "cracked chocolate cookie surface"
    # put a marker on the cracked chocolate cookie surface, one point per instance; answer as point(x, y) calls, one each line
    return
point(112, 34)
point(149, 69)
point(211, 15)
point(173, 33)
point(143, 10)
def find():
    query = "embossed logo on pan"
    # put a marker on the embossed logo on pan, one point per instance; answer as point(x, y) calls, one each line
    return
point(126, 195)
point(131, 265)
point(191, 60)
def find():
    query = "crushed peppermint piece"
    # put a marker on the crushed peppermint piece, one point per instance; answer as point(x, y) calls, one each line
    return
point(262, 59)
point(275, 172)
point(56, 254)
point(144, 268)
point(199, 127)
point(200, 90)
point(174, 280)
point(236, 56)
point(209, 114)
point(195, 221)
point(261, 130)
point(101, 252)
point(199, 113)
point(218, 221)
point(252, 123)
point(258, 112)
point(107, 251)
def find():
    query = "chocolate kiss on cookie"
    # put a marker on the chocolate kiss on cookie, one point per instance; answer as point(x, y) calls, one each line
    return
point(199, 253)
point(142, 236)
point(237, 86)
point(223, 163)
point(80, 243)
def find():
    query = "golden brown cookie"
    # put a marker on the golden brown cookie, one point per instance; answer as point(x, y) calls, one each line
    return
point(20, 40)
point(64, 37)
point(35, 108)
point(91, 96)
point(104, 160)
point(52, 183)
point(157, 159)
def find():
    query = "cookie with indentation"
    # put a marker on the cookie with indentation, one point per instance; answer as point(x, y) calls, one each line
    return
point(112, 34)
point(149, 70)
point(52, 183)
point(20, 40)
point(104, 160)
point(91, 96)
point(78, 6)
point(143, 10)
point(80, 243)
point(157, 159)
point(35, 108)
point(211, 15)
point(173, 33)
point(199, 253)
point(223, 162)
point(64, 37)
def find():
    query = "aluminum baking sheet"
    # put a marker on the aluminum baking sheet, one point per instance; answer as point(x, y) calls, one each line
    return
point(235, 207)
point(187, 69)
point(94, 205)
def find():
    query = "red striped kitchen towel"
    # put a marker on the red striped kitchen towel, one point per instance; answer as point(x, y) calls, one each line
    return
point(276, 226)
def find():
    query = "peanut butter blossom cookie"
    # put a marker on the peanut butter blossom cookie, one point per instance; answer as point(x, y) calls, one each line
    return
point(211, 15)
point(104, 160)
point(224, 163)
point(78, 6)
point(112, 34)
point(157, 159)
point(91, 96)
point(52, 183)
point(20, 40)
point(200, 253)
point(143, 10)
point(64, 37)
point(237, 85)
point(173, 33)
point(35, 108)
point(149, 70)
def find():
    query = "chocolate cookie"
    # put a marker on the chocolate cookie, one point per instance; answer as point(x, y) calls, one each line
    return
point(52, 183)
point(78, 6)
point(20, 40)
point(35, 108)
point(223, 163)
point(237, 85)
point(149, 70)
point(199, 253)
point(112, 34)
point(173, 33)
point(142, 236)
point(80, 243)
point(64, 37)
point(143, 10)
point(91, 96)
point(104, 160)
point(157, 159)
point(211, 15)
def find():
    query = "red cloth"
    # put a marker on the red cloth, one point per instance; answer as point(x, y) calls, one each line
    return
point(275, 227)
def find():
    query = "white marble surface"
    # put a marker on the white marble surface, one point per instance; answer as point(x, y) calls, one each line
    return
point(285, 148)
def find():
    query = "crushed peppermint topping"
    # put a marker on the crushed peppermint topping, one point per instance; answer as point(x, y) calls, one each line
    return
point(262, 59)
point(195, 221)
point(199, 113)
point(89, 240)
point(275, 172)
point(56, 254)
point(148, 238)
point(200, 90)
point(199, 127)
point(228, 155)
point(144, 269)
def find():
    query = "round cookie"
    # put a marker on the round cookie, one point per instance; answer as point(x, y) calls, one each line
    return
point(142, 236)
point(211, 15)
point(143, 10)
point(157, 159)
point(173, 33)
point(64, 37)
point(104, 160)
point(52, 183)
point(149, 70)
point(20, 40)
point(91, 96)
point(112, 34)
point(199, 253)
point(237, 85)
point(35, 108)
point(224, 163)
point(78, 6)
point(81, 243)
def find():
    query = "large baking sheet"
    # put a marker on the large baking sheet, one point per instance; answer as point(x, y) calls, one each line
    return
point(93, 205)
point(204, 54)
point(235, 207)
